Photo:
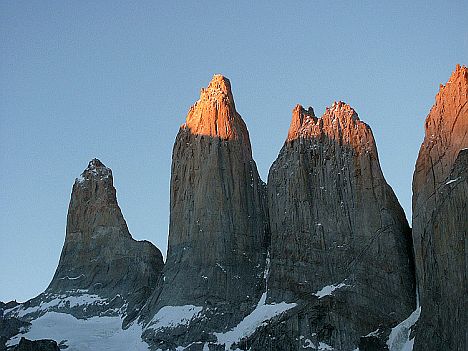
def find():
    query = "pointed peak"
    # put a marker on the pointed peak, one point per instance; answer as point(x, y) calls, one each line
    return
point(460, 75)
point(340, 105)
point(460, 69)
point(300, 117)
point(214, 114)
point(95, 170)
point(95, 163)
point(299, 109)
point(456, 88)
point(219, 89)
point(220, 82)
point(341, 109)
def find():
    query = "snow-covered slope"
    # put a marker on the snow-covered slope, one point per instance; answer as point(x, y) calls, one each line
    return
point(96, 333)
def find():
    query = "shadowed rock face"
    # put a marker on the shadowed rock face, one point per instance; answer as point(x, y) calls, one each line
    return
point(218, 231)
point(99, 254)
point(440, 219)
point(334, 220)
point(102, 270)
point(9, 327)
point(36, 345)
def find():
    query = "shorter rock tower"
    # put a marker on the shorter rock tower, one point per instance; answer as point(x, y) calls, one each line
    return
point(99, 255)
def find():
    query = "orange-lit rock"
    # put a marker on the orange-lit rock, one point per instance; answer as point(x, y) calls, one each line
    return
point(335, 222)
point(339, 122)
point(215, 115)
point(99, 254)
point(445, 133)
point(300, 117)
point(218, 230)
point(440, 220)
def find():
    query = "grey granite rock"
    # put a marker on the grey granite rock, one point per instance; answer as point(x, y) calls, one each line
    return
point(440, 220)
point(336, 223)
point(36, 345)
point(218, 233)
point(9, 326)
point(321, 259)
point(99, 253)
point(102, 270)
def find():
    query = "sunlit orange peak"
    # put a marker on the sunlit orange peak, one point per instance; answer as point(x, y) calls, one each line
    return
point(300, 117)
point(214, 114)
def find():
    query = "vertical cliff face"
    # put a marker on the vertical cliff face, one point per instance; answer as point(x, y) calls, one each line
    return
point(440, 219)
point(218, 229)
point(99, 254)
point(218, 221)
point(336, 225)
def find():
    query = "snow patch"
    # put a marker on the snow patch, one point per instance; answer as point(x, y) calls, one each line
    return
point(450, 181)
point(96, 333)
point(323, 346)
point(60, 301)
point(259, 316)
point(173, 316)
point(221, 267)
point(374, 333)
point(80, 179)
point(328, 290)
point(72, 278)
point(85, 299)
point(399, 338)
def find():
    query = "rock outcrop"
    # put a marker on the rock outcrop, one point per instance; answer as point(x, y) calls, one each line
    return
point(102, 269)
point(99, 254)
point(321, 258)
point(36, 345)
point(440, 221)
point(218, 232)
point(340, 242)
point(9, 326)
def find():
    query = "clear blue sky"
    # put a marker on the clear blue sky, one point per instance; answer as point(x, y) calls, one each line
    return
point(115, 79)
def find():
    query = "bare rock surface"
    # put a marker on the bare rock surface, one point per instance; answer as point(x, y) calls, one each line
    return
point(440, 220)
point(322, 258)
point(99, 253)
point(340, 244)
point(102, 270)
point(218, 233)
point(36, 345)
point(9, 326)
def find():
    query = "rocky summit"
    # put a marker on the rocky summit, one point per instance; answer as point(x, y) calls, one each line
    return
point(320, 258)
point(440, 220)
point(99, 254)
point(340, 243)
point(218, 231)
point(102, 270)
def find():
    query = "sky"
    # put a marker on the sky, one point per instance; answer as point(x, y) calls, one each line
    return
point(115, 79)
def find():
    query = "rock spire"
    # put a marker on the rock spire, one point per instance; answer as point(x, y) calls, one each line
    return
point(336, 225)
point(440, 219)
point(215, 115)
point(218, 231)
point(99, 254)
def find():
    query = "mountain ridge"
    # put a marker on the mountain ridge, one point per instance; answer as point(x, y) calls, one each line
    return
point(321, 256)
